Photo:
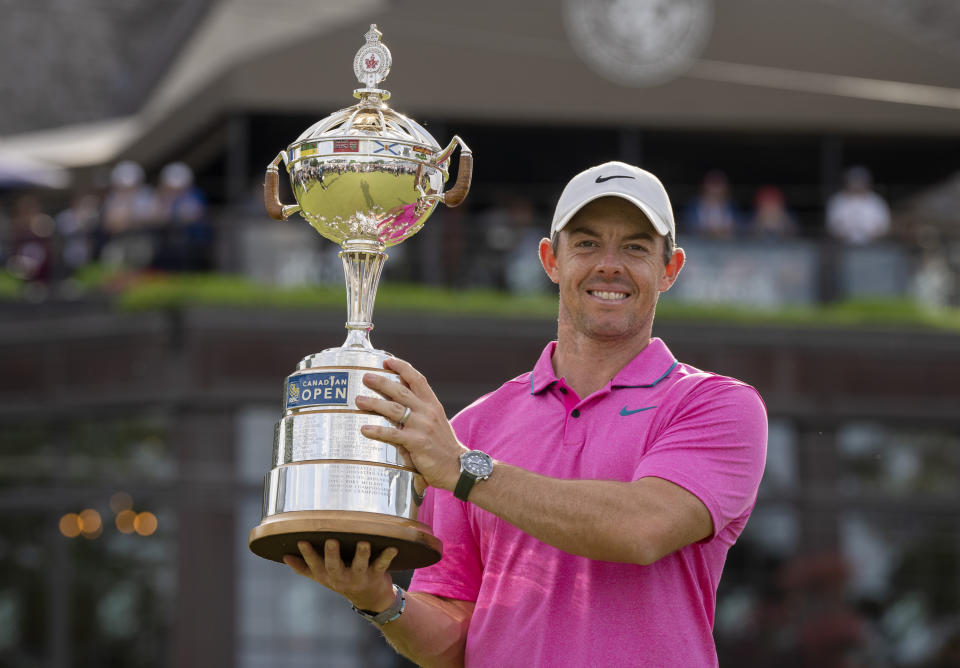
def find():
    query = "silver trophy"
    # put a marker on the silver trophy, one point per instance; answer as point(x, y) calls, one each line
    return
point(366, 178)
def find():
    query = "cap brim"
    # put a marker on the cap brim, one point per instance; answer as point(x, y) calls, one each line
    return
point(658, 223)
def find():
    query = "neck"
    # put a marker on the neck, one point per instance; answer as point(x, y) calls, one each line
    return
point(587, 364)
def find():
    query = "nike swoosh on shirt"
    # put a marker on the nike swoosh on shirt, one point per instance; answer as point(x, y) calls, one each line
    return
point(624, 412)
point(602, 179)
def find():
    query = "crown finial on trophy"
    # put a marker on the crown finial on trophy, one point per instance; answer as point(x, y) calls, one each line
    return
point(372, 65)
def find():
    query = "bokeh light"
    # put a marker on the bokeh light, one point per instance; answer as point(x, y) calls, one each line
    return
point(125, 521)
point(121, 501)
point(91, 525)
point(145, 523)
point(70, 525)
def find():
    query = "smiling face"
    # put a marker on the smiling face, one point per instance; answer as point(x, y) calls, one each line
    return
point(610, 268)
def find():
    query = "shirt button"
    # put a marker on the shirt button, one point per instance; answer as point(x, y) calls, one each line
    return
point(575, 412)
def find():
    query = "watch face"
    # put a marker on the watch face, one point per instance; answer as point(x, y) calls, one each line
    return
point(477, 463)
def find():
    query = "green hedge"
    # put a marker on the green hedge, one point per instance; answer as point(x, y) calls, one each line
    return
point(223, 290)
point(146, 292)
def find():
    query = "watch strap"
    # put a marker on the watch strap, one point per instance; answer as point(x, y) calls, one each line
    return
point(391, 613)
point(464, 485)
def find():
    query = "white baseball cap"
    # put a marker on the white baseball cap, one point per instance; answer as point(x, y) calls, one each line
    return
point(616, 179)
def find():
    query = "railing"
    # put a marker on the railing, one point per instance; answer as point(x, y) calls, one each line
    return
point(753, 273)
point(467, 252)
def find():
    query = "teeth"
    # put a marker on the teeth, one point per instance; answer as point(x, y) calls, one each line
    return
point(608, 295)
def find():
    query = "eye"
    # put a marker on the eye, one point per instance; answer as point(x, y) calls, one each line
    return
point(586, 243)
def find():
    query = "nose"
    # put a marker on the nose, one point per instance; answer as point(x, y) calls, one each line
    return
point(611, 262)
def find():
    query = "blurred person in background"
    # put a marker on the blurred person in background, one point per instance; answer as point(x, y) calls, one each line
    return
point(934, 281)
point(76, 228)
point(712, 214)
point(856, 214)
point(129, 213)
point(520, 275)
point(185, 240)
point(32, 244)
point(6, 237)
point(502, 228)
point(771, 219)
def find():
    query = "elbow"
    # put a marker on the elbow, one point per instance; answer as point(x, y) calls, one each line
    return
point(450, 657)
point(645, 554)
point(650, 547)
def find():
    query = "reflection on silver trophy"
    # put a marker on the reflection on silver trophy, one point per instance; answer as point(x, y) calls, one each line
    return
point(366, 178)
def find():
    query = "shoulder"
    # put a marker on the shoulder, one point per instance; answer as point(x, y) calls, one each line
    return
point(693, 388)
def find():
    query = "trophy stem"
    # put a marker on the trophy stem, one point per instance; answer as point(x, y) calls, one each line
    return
point(362, 264)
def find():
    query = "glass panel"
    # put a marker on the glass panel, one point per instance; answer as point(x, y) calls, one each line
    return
point(87, 544)
point(897, 461)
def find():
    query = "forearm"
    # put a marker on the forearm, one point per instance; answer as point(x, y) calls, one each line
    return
point(432, 631)
point(629, 522)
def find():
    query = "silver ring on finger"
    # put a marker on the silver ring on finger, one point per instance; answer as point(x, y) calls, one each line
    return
point(403, 418)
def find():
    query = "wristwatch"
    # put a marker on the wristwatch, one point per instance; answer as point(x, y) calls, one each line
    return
point(474, 466)
point(395, 610)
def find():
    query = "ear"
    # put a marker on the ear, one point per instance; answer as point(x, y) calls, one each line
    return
point(672, 270)
point(549, 260)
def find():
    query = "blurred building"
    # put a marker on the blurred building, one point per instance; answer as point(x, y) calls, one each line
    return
point(779, 92)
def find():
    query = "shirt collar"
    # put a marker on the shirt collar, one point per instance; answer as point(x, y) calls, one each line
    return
point(542, 375)
point(653, 364)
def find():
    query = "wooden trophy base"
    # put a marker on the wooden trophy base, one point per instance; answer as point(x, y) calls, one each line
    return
point(278, 535)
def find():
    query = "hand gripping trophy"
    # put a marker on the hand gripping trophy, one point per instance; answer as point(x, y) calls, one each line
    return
point(366, 178)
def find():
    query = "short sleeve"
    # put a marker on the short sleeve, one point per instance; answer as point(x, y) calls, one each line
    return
point(714, 447)
point(459, 571)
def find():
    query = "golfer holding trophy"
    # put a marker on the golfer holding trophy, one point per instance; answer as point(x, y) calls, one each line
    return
point(592, 528)
point(366, 178)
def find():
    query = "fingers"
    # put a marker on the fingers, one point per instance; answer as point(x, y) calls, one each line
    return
point(414, 385)
point(415, 380)
point(364, 583)
point(390, 389)
point(331, 569)
point(298, 565)
point(391, 410)
point(361, 559)
point(331, 559)
point(308, 564)
point(383, 562)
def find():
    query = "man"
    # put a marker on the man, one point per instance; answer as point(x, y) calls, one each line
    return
point(612, 478)
point(858, 215)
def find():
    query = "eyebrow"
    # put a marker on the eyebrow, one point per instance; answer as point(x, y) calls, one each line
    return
point(591, 233)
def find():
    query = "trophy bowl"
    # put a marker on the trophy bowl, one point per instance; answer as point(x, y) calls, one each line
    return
point(367, 178)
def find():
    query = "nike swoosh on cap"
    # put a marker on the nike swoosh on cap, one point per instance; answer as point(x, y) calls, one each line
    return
point(601, 179)
point(624, 412)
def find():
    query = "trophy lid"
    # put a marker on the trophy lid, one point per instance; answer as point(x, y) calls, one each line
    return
point(370, 117)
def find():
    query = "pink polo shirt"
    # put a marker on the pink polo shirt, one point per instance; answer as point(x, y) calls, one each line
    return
point(539, 606)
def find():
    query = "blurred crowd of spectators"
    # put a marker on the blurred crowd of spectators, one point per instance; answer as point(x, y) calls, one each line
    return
point(133, 226)
point(129, 226)
point(855, 215)
point(498, 252)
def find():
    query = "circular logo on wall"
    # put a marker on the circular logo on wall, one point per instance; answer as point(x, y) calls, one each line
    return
point(638, 42)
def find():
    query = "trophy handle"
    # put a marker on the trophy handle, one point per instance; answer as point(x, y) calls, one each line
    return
point(458, 193)
point(271, 192)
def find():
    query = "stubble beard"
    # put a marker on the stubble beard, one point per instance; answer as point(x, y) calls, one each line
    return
point(609, 329)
